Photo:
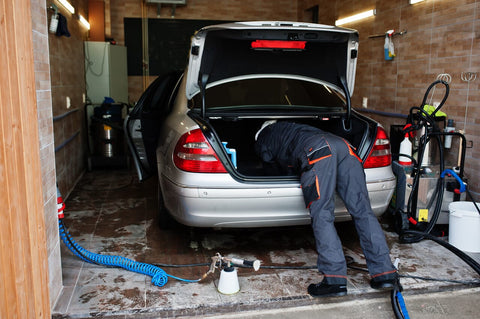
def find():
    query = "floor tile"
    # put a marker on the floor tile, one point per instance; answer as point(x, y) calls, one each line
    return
point(112, 214)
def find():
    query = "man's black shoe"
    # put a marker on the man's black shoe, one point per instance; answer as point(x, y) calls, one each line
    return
point(385, 282)
point(323, 289)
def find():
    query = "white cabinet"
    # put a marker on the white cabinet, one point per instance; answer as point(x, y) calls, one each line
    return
point(106, 72)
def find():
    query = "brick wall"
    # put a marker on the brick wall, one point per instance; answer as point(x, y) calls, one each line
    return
point(442, 37)
point(64, 64)
point(67, 73)
point(45, 127)
point(232, 10)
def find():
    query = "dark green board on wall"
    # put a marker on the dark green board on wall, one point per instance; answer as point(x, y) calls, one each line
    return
point(168, 43)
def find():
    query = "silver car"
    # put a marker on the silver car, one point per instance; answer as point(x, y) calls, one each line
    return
point(196, 129)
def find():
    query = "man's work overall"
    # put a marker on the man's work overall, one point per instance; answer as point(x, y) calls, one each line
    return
point(325, 163)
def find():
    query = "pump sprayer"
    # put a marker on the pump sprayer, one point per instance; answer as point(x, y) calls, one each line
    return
point(218, 261)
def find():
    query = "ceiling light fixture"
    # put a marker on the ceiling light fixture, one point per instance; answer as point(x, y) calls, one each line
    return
point(356, 17)
point(415, 1)
point(84, 21)
point(67, 6)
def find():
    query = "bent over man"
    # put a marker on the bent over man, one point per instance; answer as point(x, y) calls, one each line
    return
point(325, 163)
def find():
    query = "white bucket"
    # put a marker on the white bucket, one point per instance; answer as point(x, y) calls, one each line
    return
point(464, 226)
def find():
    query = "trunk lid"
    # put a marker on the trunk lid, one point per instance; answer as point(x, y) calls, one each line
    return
point(314, 52)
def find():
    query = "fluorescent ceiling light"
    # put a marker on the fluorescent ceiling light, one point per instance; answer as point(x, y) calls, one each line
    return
point(355, 17)
point(415, 1)
point(84, 21)
point(67, 6)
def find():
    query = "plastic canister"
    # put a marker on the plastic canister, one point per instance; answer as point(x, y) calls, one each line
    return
point(464, 226)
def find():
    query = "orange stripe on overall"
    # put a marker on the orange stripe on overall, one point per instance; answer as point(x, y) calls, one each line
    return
point(352, 153)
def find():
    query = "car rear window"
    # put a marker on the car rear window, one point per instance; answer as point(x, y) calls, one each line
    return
point(271, 92)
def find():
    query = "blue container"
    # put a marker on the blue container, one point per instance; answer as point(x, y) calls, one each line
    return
point(232, 152)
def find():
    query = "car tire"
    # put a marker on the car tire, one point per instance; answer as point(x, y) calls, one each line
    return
point(165, 220)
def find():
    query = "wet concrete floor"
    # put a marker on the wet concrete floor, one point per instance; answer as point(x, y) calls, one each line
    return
point(111, 213)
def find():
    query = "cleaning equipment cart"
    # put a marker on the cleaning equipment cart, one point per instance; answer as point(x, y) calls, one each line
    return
point(106, 142)
point(422, 174)
point(414, 229)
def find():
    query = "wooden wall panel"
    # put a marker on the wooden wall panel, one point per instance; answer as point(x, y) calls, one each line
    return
point(96, 17)
point(23, 258)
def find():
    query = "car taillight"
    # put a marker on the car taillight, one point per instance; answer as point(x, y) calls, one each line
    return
point(193, 153)
point(380, 154)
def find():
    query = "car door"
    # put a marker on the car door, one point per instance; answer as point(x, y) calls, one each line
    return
point(143, 124)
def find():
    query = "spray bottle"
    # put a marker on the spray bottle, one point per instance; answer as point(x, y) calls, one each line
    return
point(386, 49)
point(405, 152)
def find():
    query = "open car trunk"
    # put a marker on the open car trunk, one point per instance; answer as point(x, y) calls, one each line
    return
point(242, 74)
point(239, 134)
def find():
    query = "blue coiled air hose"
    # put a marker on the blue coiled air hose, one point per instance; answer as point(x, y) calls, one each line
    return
point(159, 277)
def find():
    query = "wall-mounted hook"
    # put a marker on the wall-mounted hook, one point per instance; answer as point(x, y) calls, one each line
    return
point(53, 7)
point(468, 76)
point(445, 77)
point(389, 32)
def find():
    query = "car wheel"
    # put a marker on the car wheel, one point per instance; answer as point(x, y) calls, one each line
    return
point(165, 220)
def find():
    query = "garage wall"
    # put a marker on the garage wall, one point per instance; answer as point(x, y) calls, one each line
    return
point(68, 82)
point(232, 10)
point(46, 144)
point(442, 37)
point(67, 73)
point(23, 255)
point(60, 74)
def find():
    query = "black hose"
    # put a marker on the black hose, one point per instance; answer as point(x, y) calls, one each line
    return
point(467, 259)
point(472, 199)
point(424, 235)
point(463, 282)
point(438, 194)
point(447, 90)
point(418, 118)
point(395, 306)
